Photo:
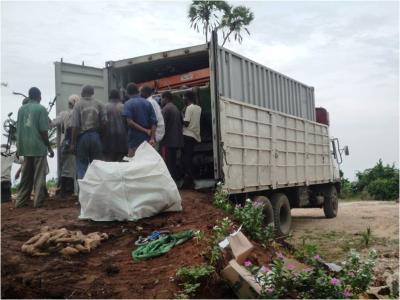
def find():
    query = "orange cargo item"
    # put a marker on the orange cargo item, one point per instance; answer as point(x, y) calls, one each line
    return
point(194, 78)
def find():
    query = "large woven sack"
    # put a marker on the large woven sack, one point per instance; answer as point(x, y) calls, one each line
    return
point(130, 190)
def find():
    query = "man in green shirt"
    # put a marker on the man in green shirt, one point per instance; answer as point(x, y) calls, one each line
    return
point(33, 144)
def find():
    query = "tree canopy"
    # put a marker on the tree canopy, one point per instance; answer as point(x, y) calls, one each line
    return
point(220, 16)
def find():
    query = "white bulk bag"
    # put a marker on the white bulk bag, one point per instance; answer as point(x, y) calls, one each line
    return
point(130, 190)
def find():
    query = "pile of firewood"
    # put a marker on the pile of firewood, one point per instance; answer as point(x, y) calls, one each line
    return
point(63, 241)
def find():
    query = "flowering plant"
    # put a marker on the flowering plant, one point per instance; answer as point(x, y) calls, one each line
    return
point(221, 199)
point(252, 217)
point(279, 280)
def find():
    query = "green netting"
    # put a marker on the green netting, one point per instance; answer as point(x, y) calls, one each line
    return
point(161, 246)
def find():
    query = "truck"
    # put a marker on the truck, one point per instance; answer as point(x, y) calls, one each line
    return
point(261, 136)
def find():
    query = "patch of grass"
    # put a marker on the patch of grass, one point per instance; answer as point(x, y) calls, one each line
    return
point(366, 236)
point(334, 246)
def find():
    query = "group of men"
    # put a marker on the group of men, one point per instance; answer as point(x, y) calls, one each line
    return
point(91, 130)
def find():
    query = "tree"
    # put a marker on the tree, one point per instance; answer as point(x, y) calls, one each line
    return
point(235, 21)
point(206, 13)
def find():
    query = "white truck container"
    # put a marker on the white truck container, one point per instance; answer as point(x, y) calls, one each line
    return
point(259, 135)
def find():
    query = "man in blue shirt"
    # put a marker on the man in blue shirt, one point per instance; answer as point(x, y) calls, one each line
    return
point(141, 119)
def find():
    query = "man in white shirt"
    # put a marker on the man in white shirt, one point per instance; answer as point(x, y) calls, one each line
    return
point(191, 134)
point(146, 92)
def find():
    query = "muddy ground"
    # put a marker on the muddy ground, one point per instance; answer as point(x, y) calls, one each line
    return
point(108, 271)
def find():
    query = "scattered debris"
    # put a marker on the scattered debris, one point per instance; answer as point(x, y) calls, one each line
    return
point(333, 267)
point(152, 237)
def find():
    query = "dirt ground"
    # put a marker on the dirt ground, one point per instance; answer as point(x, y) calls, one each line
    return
point(108, 271)
point(335, 237)
point(353, 217)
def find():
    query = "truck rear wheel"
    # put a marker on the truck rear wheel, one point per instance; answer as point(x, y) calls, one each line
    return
point(331, 203)
point(282, 216)
point(267, 209)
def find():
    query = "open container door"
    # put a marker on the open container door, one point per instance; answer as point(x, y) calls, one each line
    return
point(69, 80)
point(215, 110)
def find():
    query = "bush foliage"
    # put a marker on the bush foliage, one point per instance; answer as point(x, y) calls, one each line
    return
point(380, 183)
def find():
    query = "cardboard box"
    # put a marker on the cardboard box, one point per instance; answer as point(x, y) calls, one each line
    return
point(241, 280)
point(240, 246)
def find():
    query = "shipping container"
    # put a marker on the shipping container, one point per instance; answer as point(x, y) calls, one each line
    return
point(259, 131)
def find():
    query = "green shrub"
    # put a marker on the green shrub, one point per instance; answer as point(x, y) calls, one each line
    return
point(191, 278)
point(194, 274)
point(384, 189)
point(381, 181)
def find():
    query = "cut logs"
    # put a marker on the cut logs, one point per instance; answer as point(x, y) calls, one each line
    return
point(63, 241)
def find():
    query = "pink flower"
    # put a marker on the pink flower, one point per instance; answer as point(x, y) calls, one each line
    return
point(291, 267)
point(247, 263)
point(335, 281)
point(265, 269)
point(347, 294)
point(317, 257)
point(270, 290)
point(351, 274)
point(280, 255)
point(257, 204)
point(307, 270)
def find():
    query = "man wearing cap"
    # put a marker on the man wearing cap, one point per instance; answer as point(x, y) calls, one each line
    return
point(33, 144)
point(88, 119)
point(67, 159)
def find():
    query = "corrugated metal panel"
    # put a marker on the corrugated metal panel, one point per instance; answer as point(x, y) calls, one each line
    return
point(264, 149)
point(245, 80)
point(70, 78)
point(156, 56)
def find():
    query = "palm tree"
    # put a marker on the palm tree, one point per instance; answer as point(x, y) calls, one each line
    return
point(234, 21)
point(205, 13)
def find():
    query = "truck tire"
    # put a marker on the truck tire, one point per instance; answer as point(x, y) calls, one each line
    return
point(267, 209)
point(331, 204)
point(282, 216)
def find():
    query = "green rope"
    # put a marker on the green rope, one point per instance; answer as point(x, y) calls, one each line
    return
point(161, 246)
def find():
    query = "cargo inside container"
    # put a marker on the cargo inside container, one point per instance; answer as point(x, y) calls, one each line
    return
point(203, 165)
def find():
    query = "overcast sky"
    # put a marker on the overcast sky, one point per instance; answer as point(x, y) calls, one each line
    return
point(348, 51)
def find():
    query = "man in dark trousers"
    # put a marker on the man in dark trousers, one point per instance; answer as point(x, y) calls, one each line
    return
point(33, 144)
point(173, 137)
point(115, 139)
point(88, 119)
point(191, 134)
point(141, 119)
